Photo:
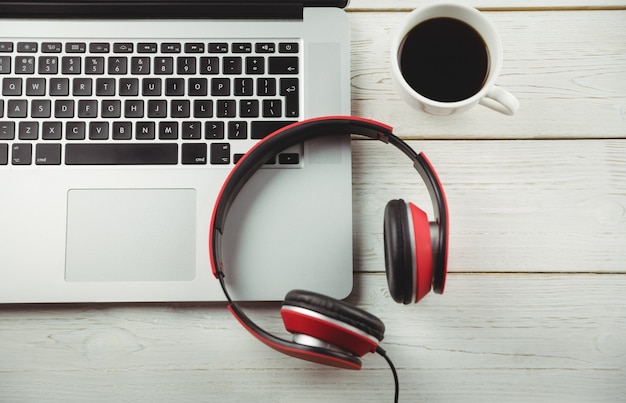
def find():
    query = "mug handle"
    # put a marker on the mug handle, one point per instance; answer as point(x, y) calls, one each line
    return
point(499, 99)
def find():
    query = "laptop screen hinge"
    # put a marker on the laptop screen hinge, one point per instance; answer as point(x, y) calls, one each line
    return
point(162, 9)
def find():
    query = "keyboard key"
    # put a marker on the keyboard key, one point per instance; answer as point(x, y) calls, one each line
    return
point(129, 87)
point(288, 47)
point(265, 47)
point(218, 47)
point(180, 108)
point(4, 154)
point(35, 86)
point(117, 65)
point(174, 87)
point(186, 65)
point(48, 154)
point(87, 108)
point(140, 65)
point(255, 65)
point(121, 154)
point(144, 131)
point(232, 65)
point(249, 108)
point(27, 47)
point(28, 131)
point(170, 47)
point(82, 87)
point(98, 130)
point(164, 65)
point(122, 47)
point(17, 108)
point(52, 131)
point(48, 65)
point(214, 130)
point(220, 153)
point(75, 131)
point(70, 65)
point(64, 108)
point(133, 108)
point(75, 47)
point(151, 87)
point(111, 108)
point(244, 87)
point(7, 130)
point(40, 108)
point(209, 65)
point(94, 65)
point(220, 86)
point(191, 130)
point(25, 64)
point(168, 130)
point(197, 87)
point(12, 86)
point(147, 47)
point(226, 108)
point(21, 154)
point(51, 47)
point(194, 153)
point(122, 131)
point(272, 108)
point(237, 130)
point(99, 47)
point(289, 158)
point(157, 108)
point(105, 87)
point(242, 47)
point(290, 89)
point(203, 108)
point(283, 65)
point(59, 86)
point(6, 47)
point(260, 129)
point(266, 87)
point(194, 47)
point(5, 64)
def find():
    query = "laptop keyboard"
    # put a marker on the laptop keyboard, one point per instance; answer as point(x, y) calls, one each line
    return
point(145, 103)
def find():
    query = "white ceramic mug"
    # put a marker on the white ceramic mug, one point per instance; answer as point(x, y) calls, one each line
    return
point(489, 94)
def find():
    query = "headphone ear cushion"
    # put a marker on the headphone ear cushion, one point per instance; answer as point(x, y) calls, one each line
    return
point(332, 321)
point(399, 254)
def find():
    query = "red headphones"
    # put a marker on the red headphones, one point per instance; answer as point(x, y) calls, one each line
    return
point(326, 330)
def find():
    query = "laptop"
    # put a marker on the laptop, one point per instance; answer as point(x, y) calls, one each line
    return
point(119, 122)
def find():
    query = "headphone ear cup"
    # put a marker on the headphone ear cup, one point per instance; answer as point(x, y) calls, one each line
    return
point(320, 321)
point(408, 251)
point(399, 263)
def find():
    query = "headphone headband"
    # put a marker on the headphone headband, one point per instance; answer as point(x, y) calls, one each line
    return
point(298, 133)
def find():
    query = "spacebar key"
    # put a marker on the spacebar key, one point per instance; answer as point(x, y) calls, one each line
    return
point(121, 154)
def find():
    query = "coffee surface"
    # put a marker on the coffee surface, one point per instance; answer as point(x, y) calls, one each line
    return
point(444, 59)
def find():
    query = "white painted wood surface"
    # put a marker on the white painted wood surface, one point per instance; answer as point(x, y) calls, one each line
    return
point(535, 305)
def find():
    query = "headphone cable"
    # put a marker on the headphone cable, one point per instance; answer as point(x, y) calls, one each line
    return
point(383, 354)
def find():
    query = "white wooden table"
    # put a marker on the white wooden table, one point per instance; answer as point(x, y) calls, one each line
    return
point(535, 304)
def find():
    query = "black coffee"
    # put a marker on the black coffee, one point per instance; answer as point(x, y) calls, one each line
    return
point(444, 59)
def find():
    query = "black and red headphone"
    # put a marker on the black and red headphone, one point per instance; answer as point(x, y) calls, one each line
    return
point(326, 330)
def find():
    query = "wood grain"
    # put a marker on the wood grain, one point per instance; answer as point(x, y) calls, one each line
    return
point(394, 5)
point(570, 78)
point(509, 338)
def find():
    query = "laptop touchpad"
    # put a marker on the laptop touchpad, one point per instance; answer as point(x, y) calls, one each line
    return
point(131, 235)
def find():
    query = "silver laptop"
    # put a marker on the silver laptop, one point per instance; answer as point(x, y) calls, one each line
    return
point(119, 123)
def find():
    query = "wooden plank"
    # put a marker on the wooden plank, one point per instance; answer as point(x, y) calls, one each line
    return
point(513, 338)
point(570, 78)
point(515, 206)
point(387, 5)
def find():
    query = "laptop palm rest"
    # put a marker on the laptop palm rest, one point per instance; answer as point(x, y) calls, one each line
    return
point(130, 235)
